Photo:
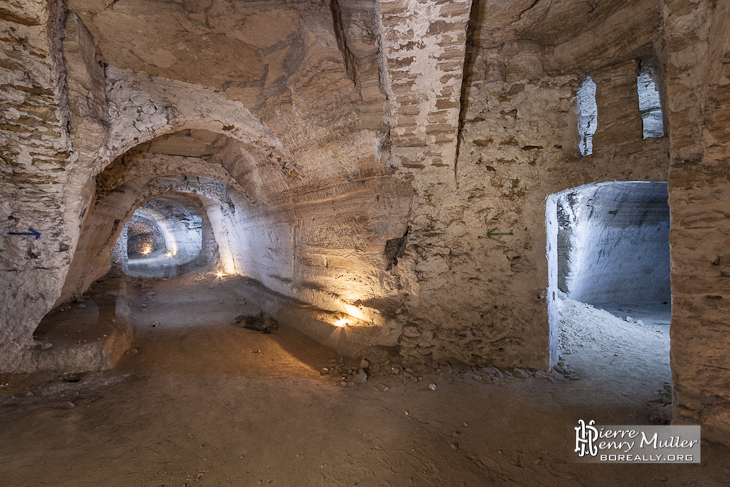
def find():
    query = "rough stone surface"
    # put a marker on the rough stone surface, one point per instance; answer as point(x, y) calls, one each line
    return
point(614, 240)
point(36, 157)
point(697, 74)
point(391, 161)
point(423, 46)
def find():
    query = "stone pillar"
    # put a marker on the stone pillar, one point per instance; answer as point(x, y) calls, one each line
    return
point(698, 92)
point(119, 251)
point(34, 160)
point(617, 99)
point(423, 44)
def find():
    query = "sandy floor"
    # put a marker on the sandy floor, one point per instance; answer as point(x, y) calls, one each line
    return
point(629, 358)
point(158, 264)
point(200, 402)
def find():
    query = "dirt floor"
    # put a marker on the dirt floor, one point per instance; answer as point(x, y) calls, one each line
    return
point(202, 402)
point(630, 358)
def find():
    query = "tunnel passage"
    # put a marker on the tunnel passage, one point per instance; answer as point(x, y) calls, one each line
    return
point(267, 222)
point(613, 243)
point(144, 236)
point(609, 283)
point(165, 236)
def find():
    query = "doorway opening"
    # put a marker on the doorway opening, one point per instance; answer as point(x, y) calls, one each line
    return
point(609, 281)
point(164, 237)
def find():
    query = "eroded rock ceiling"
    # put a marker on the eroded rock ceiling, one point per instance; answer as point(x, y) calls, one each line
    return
point(247, 49)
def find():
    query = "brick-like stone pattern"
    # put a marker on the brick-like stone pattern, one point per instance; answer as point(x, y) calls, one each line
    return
point(312, 156)
point(34, 159)
point(698, 89)
point(423, 44)
point(312, 117)
point(480, 299)
point(618, 120)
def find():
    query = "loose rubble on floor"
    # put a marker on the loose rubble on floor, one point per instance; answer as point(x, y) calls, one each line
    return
point(383, 374)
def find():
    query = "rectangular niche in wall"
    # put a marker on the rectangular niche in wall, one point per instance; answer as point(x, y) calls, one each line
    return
point(587, 116)
point(650, 104)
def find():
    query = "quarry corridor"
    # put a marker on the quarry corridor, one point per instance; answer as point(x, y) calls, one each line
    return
point(364, 242)
point(199, 400)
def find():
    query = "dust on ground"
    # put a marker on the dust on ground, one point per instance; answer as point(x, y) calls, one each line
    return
point(200, 401)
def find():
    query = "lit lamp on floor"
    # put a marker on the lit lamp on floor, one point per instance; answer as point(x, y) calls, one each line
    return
point(341, 320)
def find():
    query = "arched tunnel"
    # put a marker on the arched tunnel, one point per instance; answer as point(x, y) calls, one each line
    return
point(166, 236)
point(197, 200)
point(372, 242)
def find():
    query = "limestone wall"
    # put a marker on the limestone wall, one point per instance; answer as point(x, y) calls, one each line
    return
point(35, 158)
point(318, 231)
point(618, 243)
point(146, 236)
point(390, 159)
point(481, 295)
point(423, 46)
point(698, 91)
